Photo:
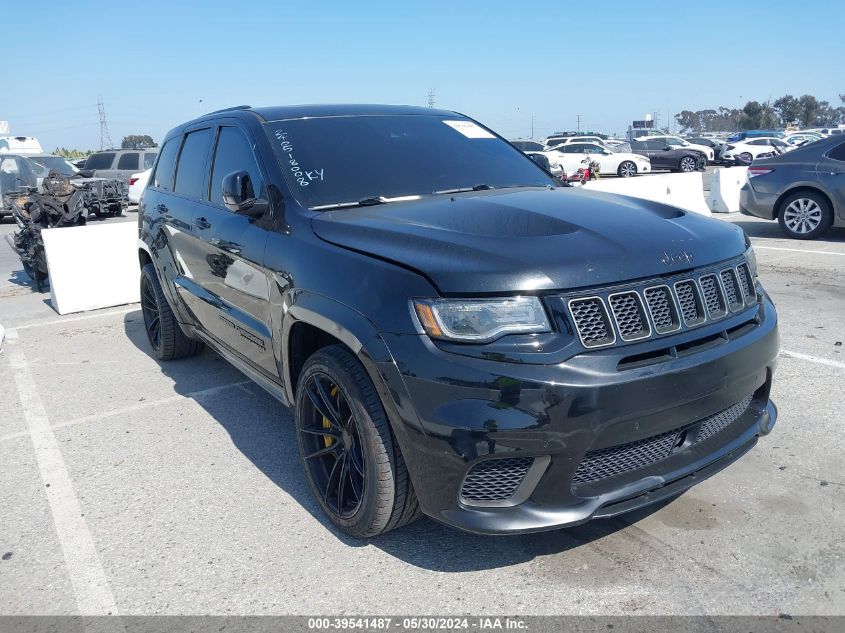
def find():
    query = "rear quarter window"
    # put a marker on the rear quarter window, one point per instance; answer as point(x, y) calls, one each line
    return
point(149, 159)
point(838, 152)
point(100, 161)
point(163, 176)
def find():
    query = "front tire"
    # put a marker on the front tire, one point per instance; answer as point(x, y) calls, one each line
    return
point(805, 215)
point(687, 164)
point(353, 464)
point(163, 331)
point(627, 169)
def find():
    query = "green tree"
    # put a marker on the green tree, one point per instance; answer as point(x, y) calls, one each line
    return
point(788, 108)
point(137, 141)
point(809, 109)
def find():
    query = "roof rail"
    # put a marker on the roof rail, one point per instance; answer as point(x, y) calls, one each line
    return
point(240, 107)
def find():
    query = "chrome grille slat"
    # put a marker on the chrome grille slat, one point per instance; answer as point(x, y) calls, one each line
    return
point(592, 321)
point(629, 314)
point(661, 306)
point(623, 314)
point(689, 299)
point(713, 299)
point(733, 293)
point(745, 282)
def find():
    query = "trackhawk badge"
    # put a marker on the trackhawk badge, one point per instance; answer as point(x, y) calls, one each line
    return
point(678, 258)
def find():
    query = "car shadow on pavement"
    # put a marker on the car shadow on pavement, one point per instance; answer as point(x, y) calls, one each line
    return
point(835, 235)
point(262, 429)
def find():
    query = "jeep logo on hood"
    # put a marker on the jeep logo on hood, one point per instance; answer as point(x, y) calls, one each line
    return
point(678, 258)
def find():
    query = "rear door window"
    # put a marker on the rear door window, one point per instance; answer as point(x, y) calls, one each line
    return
point(100, 161)
point(163, 176)
point(128, 161)
point(192, 166)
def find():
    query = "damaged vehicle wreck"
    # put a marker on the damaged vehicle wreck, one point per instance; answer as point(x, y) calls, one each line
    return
point(59, 201)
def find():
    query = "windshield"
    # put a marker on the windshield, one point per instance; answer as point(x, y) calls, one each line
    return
point(55, 163)
point(341, 160)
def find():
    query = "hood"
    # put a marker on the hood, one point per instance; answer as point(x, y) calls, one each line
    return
point(507, 241)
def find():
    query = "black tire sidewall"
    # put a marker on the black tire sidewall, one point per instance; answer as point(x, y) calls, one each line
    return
point(365, 521)
point(824, 225)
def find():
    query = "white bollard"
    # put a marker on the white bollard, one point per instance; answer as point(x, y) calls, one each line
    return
point(724, 189)
point(92, 266)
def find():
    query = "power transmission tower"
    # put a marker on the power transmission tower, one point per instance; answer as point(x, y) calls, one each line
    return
point(105, 139)
point(579, 122)
point(431, 98)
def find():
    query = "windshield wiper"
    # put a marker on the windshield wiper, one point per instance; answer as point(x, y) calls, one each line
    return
point(483, 187)
point(363, 202)
point(479, 187)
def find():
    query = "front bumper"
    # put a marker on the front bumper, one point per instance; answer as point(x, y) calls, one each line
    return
point(456, 412)
point(757, 203)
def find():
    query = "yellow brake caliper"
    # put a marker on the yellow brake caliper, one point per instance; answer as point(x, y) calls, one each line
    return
point(327, 440)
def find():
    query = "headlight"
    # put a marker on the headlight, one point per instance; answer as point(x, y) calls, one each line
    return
point(481, 320)
point(751, 258)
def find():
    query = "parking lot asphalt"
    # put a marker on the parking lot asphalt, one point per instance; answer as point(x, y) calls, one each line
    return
point(135, 487)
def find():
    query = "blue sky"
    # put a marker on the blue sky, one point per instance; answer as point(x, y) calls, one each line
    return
point(157, 64)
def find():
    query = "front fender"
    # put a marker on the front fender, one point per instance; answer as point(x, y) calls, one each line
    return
point(346, 324)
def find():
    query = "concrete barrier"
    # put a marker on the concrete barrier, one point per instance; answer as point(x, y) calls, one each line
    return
point(92, 266)
point(724, 189)
point(680, 190)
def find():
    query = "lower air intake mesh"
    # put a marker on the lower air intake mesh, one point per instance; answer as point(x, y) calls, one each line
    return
point(615, 460)
point(495, 479)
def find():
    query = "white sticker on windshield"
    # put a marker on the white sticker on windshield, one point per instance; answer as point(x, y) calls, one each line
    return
point(469, 129)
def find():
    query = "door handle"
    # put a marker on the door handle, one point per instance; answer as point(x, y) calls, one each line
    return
point(202, 223)
point(161, 208)
point(234, 250)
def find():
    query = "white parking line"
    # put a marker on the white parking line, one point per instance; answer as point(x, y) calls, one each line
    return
point(812, 359)
point(797, 250)
point(85, 317)
point(88, 579)
point(132, 408)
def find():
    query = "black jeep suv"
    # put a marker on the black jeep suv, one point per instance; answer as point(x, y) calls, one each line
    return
point(456, 335)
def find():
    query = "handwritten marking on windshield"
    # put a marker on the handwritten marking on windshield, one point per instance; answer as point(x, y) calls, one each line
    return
point(303, 177)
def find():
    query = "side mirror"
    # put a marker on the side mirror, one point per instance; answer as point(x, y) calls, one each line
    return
point(239, 196)
point(667, 149)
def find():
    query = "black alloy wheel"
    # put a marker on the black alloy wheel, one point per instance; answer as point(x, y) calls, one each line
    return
point(165, 334)
point(353, 464)
point(332, 446)
point(152, 315)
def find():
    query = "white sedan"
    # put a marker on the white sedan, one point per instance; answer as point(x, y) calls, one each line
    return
point(677, 141)
point(751, 148)
point(624, 164)
point(137, 184)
